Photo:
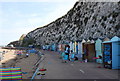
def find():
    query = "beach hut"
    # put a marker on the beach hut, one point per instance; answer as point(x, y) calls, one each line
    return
point(43, 47)
point(71, 46)
point(111, 53)
point(53, 47)
point(98, 48)
point(76, 47)
point(47, 47)
point(89, 50)
point(62, 47)
point(82, 48)
point(79, 50)
point(59, 47)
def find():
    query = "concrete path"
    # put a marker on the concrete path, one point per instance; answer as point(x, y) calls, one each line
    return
point(77, 70)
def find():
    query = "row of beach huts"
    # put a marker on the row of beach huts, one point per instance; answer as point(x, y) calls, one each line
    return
point(107, 49)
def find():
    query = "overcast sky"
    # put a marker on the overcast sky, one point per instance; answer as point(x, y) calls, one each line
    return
point(18, 17)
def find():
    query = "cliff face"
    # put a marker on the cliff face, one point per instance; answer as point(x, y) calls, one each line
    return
point(85, 20)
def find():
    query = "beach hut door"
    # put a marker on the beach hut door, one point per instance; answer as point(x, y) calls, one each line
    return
point(107, 55)
point(116, 55)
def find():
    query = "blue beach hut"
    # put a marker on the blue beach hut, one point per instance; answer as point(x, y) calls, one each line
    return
point(47, 47)
point(53, 47)
point(79, 50)
point(98, 48)
point(111, 53)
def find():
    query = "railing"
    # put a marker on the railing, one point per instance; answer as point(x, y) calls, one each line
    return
point(37, 64)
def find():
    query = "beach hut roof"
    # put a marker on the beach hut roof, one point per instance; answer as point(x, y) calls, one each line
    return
point(72, 41)
point(66, 42)
point(88, 40)
point(83, 40)
point(114, 39)
point(92, 41)
point(98, 39)
point(102, 38)
point(79, 41)
point(106, 39)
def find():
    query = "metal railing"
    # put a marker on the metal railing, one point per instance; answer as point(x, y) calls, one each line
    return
point(37, 64)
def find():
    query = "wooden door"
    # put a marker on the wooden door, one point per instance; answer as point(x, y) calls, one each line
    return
point(91, 52)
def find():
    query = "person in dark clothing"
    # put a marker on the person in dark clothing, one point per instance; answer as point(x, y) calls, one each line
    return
point(67, 51)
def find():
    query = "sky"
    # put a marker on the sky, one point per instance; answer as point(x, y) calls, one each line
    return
point(19, 17)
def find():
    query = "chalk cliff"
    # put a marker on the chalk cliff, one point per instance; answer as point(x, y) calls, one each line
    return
point(85, 20)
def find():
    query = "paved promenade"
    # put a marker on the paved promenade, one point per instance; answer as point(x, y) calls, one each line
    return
point(77, 70)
